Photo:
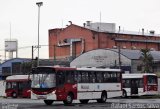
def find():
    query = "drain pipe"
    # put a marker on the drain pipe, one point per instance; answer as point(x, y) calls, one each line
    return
point(71, 49)
point(82, 45)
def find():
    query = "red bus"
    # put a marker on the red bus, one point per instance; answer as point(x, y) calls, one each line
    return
point(68, 84)
point(18, 86)
point(139, 84)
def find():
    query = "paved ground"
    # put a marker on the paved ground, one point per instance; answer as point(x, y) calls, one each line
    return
point(110, 104)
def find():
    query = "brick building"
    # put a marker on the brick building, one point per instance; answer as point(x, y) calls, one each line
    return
point(70, 42)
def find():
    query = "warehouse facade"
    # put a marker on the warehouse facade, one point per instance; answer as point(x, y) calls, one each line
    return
point(72, 41)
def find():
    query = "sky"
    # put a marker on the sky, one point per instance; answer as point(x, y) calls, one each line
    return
point(19, 19)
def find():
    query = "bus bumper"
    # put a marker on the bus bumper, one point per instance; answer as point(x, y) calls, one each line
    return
point(50, 96)
point(151, 93)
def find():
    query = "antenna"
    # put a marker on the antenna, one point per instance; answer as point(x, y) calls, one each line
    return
point(10, 30)
point(62, 23)
point(100, 19)
point(100, 16)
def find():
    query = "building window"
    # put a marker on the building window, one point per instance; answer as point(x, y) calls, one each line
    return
point(6, 71)
point(16, 68)
point(139, 68)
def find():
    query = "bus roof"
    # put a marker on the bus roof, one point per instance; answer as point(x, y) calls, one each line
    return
point(99, 69)
point(58, 67)
point(136, 75)
point(18, 77)
point(81, 68)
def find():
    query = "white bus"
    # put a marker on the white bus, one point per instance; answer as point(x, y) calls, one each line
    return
point(139, 84)
point(68, 84)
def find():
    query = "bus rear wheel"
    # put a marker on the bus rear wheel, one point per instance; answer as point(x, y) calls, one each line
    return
point(84, 101)
point(103, 98)
point(48, 102)
point(69, 99)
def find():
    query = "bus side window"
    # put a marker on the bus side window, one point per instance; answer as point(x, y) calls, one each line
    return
point(72, 77)
point(99, 77)
point(140, 83)
point(85, 77)
point(126, 83)
point(118, 76)
point(8, 85)
point(123, 83)
point(75, 77)
point(79, 77)
point(92, 77)
point(60, 79)
point(14, 85)
point(69, 76)
point(113, 77)
point(106, 77)
point(26, 84)
point(21, 85)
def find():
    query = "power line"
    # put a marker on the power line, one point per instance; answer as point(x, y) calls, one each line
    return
point(25, 47)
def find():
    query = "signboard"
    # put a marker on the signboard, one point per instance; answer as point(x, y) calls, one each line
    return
point(11, 45)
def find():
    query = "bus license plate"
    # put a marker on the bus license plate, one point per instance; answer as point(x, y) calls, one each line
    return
point(42, 97)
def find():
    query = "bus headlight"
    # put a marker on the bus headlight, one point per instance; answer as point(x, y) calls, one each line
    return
point(53, 92)
point(28, 90)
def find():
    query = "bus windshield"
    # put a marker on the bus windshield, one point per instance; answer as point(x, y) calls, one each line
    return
point(152, 79)
point(43, 81)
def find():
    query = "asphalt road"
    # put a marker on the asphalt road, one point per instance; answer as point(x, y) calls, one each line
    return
point(110, 104)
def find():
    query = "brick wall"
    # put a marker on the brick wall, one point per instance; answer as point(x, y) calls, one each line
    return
point(93, 40)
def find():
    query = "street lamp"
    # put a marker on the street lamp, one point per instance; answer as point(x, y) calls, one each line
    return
point(39, 4)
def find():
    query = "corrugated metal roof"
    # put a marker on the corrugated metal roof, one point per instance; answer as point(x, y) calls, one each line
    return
point(137, 40)
point(136, 33)
point(102, 29)
point(135, 54)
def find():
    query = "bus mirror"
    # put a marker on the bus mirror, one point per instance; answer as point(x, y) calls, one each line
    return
point(28, 81)
point(33, 70)
point(28, 77)
point(4, 82)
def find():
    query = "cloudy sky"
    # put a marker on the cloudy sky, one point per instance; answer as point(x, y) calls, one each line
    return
point(22, 17)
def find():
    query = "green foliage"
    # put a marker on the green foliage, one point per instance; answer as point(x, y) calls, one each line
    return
point(147, 61)
point(26, 67)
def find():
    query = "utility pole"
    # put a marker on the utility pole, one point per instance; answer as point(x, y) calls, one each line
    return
point(119, 56)
point(39, 4)
point(119, 50)
point(32, 53)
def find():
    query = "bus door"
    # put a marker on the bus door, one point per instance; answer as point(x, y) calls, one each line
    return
point(134, 87)
point(20, 88)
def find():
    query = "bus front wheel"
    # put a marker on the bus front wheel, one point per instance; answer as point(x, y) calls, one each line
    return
point(14, 95)
point(48, 102)
point(124, 94)
point(69, 99)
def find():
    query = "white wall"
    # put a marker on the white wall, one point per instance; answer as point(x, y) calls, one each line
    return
point(2, 88)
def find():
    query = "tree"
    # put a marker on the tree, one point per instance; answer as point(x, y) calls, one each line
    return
point(26, 67)
point(147, 61)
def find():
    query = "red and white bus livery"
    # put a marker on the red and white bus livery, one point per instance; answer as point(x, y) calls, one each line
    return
point(139, 84)
point(68, 84)
point(18, 86)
